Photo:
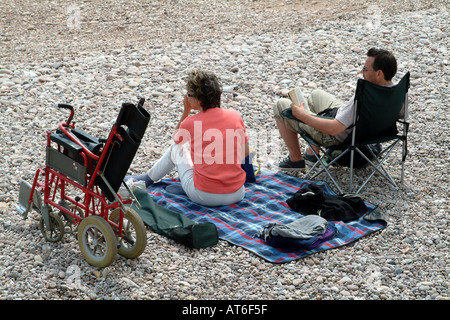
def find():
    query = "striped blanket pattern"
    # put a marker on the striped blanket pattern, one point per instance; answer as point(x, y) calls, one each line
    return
point(264, 203)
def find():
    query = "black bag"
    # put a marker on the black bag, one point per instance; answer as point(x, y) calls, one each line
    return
point(174, 225)
point(358, 160)
point(197, 235)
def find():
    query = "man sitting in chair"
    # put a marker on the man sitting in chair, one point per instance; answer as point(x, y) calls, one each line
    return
point(379, 68)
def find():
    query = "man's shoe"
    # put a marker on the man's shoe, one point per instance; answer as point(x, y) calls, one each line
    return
point(310, 159)
point(287, 164)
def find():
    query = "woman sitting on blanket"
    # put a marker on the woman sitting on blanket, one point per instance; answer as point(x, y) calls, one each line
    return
point(213, 172)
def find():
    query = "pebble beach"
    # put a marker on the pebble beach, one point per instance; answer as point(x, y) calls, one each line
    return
point(97, 55)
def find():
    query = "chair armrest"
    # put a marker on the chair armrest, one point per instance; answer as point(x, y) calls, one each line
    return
point(287, 113)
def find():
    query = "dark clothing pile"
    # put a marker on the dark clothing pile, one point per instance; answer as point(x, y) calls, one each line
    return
point(316, 226)
point(311, 199)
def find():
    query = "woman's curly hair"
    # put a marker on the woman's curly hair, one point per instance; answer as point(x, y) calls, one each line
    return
point(204, 86)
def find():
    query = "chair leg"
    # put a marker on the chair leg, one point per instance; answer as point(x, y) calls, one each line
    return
point(404, 153)
point(324, 167)
point(402, 173)
point(352, 154)
point(379, 167)
point(376, 164)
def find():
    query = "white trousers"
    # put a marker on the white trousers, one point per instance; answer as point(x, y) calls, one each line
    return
point(178, 157)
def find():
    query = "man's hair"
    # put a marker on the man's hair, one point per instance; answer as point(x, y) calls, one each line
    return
point(204, 86)
point(384, 61)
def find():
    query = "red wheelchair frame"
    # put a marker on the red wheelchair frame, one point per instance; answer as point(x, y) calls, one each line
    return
point(104, 221)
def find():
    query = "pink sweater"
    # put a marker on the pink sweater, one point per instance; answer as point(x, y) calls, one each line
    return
point(217, 140)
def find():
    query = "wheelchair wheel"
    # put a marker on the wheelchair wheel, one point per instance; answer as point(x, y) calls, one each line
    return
point(56, 232)
point(97, 241)
point(134, 239)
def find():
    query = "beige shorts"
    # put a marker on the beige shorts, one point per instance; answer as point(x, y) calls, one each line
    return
point(318, 101)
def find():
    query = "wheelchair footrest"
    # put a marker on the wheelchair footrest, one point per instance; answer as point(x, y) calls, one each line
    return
point(23, 207)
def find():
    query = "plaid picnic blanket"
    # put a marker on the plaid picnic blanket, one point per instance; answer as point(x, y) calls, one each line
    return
point(264, 203)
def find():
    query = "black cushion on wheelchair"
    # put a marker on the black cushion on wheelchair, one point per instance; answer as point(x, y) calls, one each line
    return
point(83, 136)
point(90, 142)
point(62, 140)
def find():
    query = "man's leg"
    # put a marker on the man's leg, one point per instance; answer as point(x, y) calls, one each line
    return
point(318, 101)
point(290, 139)
point(288, 130)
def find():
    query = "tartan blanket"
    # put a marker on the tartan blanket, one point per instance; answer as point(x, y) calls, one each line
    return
point(264, 203)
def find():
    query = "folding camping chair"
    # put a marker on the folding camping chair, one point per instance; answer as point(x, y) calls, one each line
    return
point(375, 122)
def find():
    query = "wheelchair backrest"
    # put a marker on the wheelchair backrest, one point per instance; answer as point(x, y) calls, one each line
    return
point(126, 136)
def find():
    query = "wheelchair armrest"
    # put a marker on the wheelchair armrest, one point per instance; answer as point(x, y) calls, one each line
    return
point(64, 141)
point(83, 136)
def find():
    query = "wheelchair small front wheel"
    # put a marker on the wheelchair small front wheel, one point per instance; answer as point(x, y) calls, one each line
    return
point(56, 232)
point(97, 241)
point(134, 234)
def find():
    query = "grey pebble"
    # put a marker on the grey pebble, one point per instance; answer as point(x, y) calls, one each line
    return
point(259, 53)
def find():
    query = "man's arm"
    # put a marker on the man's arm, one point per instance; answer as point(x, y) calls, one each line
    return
point(330, 126)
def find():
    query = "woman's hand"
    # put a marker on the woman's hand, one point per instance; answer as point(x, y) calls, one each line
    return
point(186, 111)
point(187, 104)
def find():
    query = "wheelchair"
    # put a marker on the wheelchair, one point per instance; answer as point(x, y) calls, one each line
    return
point(77, 190)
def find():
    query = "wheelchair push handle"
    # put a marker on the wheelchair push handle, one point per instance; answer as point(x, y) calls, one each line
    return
point(65, 106)
point(69, 107)
point(141, 102)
